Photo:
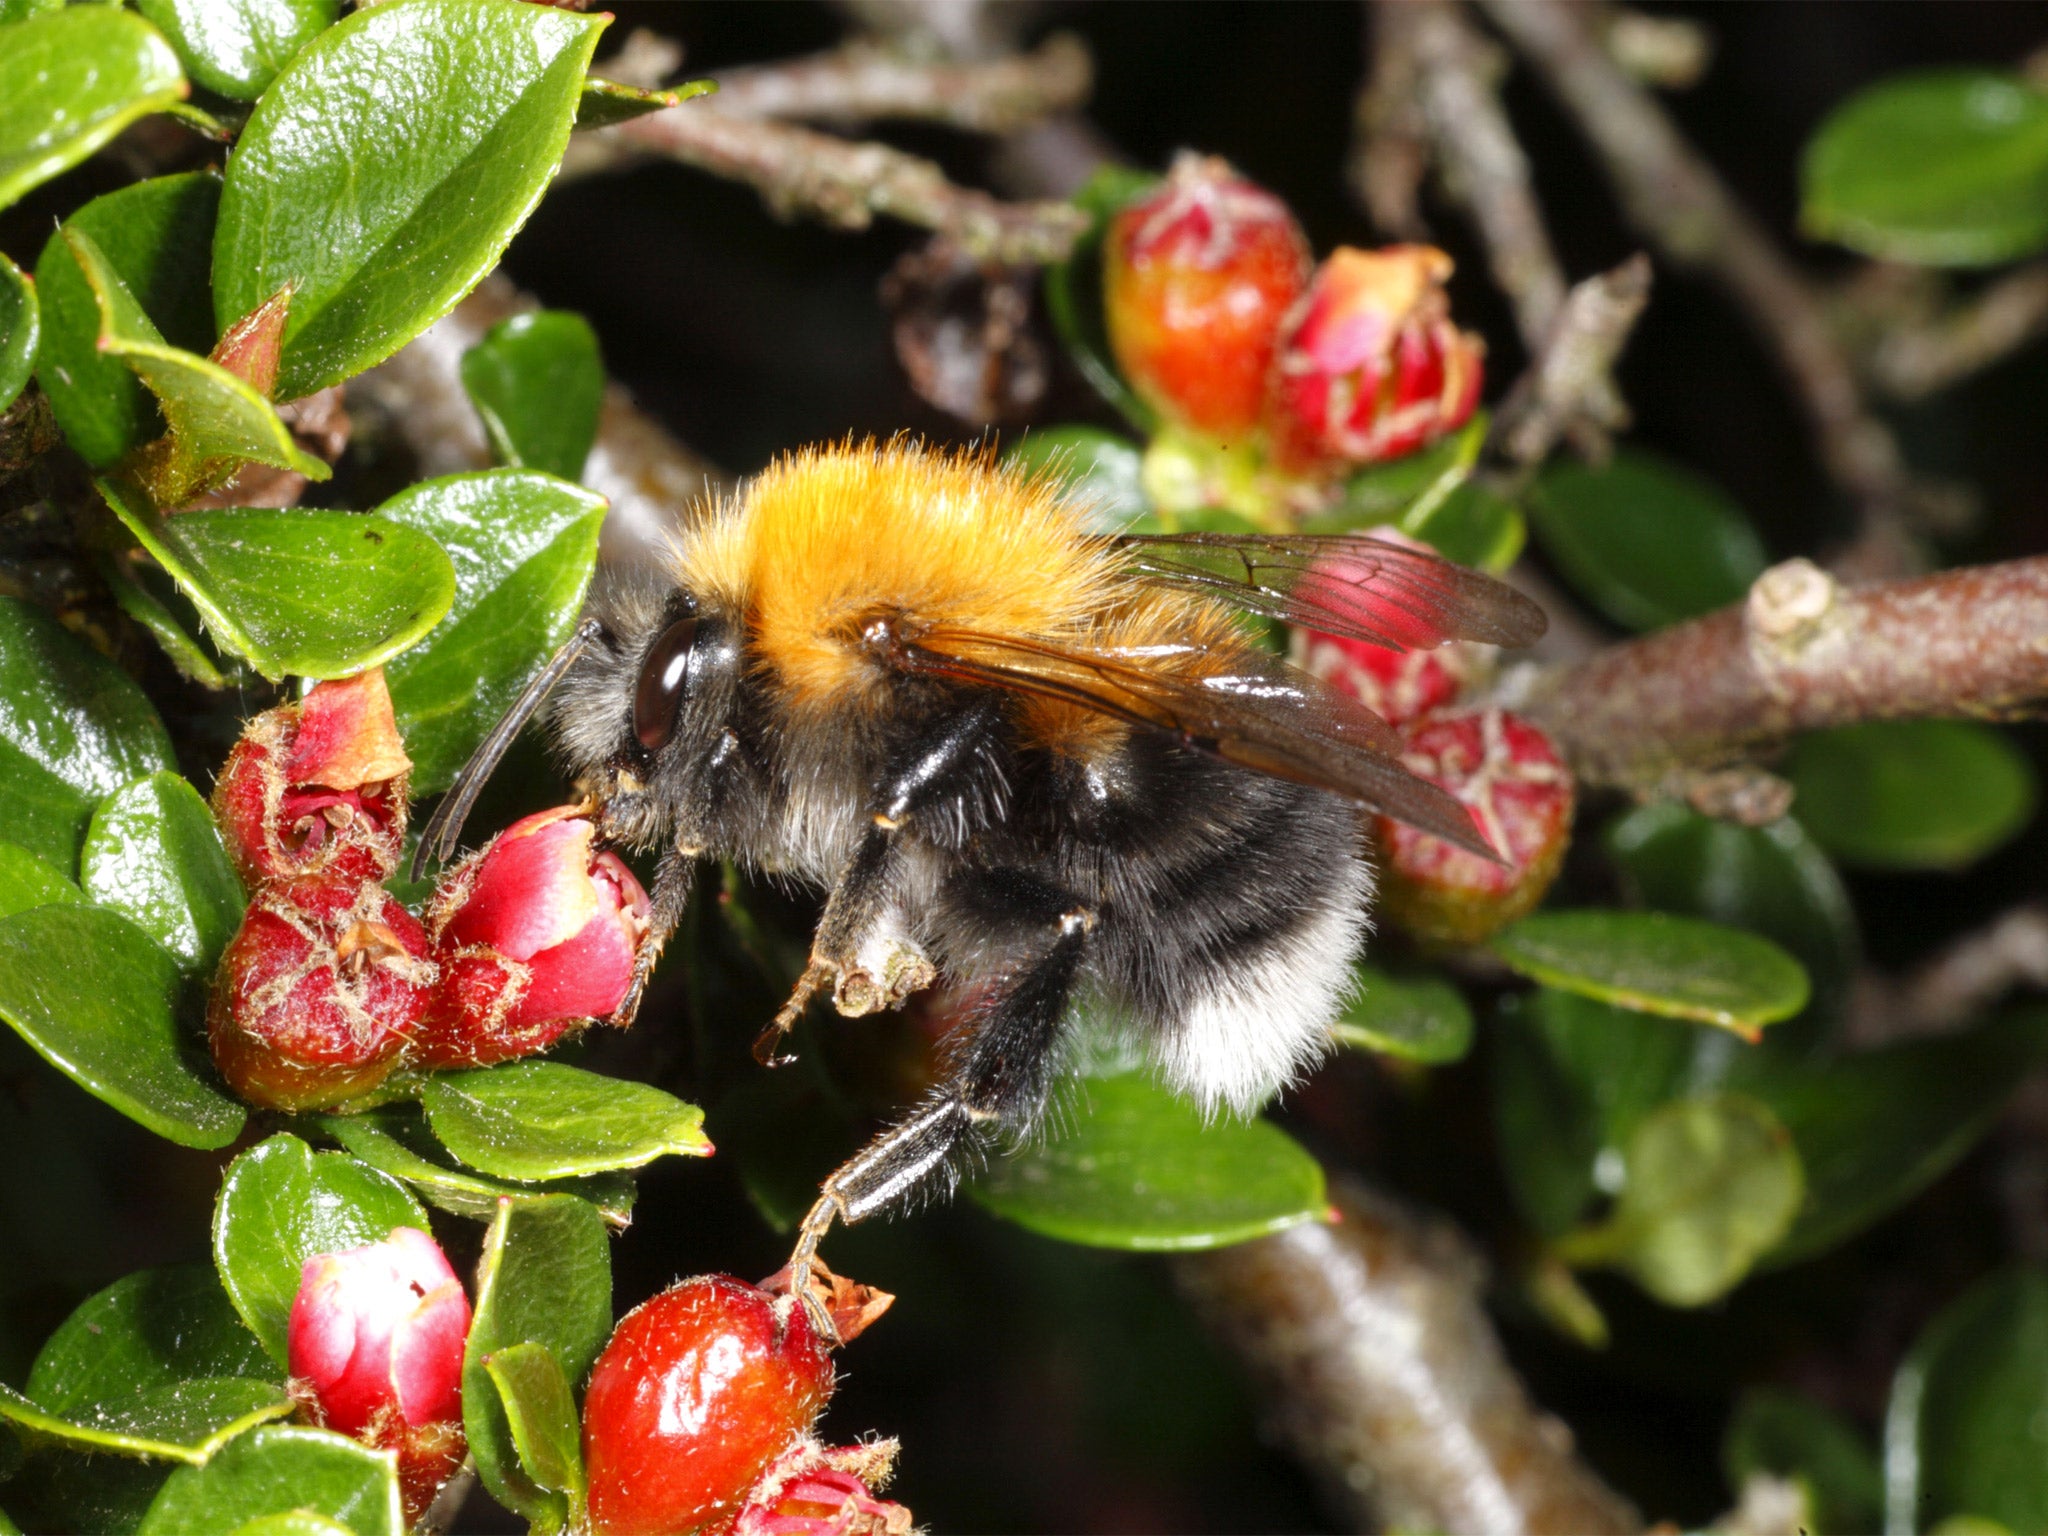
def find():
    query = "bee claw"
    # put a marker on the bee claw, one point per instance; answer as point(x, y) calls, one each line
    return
point(784, 1021)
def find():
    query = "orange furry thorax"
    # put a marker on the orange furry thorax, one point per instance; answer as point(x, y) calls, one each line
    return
point(828, 538)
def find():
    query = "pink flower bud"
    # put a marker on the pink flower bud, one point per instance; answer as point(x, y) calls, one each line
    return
point(1398, 686)
point(535, 933)
point(1520, 792)
point(1370, 366)
point(375, 1350)
point(317, 993)
point(1196, 279)
point(813, 1490)
point(1388, 595)
point(317, 787)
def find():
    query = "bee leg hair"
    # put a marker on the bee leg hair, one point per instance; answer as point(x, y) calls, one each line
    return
point(673, 877)
point(998, 1079)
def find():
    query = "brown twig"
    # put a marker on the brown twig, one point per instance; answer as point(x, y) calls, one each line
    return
point(1569, 384)
point(1958, 983)
point(1673, 196)
point(1914, 359)
point(1381, 1371)
point(862, 82)
point(1802, 653)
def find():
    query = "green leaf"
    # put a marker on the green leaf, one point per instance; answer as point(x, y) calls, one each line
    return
point(153, 855)
point(1712, 1184)
point(235, 48)
point(543, 1120)
point(523, 546)
point(1774, 881)
point(275, 1470)
point(185, 1421)
point(1544, 1120)
point(1659, 963)
point(605, 102)
point(538, 383)
point(292, 1522)
point(1646, 542)
point(1945, 167)
point(1472, 526)
point(62, 1489)
point(73, 729)
point(12, 11)
point(394, 1139)
point(97, 998)
point(21, 330)
point(1100, 471)
point(281, 1204)
point(1877, 1127)
point(153, 611)
point(540, 1410)
point(27, 881)
point(69, 82)
point(1911, 794)
point(1073, 291)
point(1418, 1018)
point(307, 594)
point(1964, 1429)
point(1782, 1434)
point(1133, 1166)
point(157, 237)
point(215, 419)
point(545, 1278)
point(383, 214)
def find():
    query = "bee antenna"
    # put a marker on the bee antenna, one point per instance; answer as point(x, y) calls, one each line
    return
point(437, 843)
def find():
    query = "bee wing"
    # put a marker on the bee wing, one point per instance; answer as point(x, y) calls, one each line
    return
point(1349, 584)
point(1258, 713)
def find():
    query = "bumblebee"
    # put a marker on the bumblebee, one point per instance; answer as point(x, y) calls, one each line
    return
point(1036, 761)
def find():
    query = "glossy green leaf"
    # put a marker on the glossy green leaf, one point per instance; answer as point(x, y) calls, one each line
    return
point(1133, 1166)
point(1099, 471)
point(69, 82)
point(540, 1411)
point(1712, 1185)
point(235, 48)
point(1659, 963)
point(545, 1278)
point(306, 594)
point(1778, 1433)
point(61, 1489)
point(1911, 794)
point(523, 546)
point(73, 729)
point(1409, 488)
point(186, 1421)
point(12, 11)
point(27, 881)
point(1418, 1018)
point(538, 383)
point(147, 595)
point(544, 1120)
point(1877, 1127)
point(275, 1470)
point(1945, 167)
point(21, 330)
point(1544, 1121)
point(281, 1204)
point(394, 1139)
point(157, 237)
point(383, 214)
point(1774, 881)
point(1963, 1433)
point(153, 854)
point(1648, 543)
point(216, 420)
point(1073, 291)
point(605, 102)
point(292, 1522)
point(1472, 526)
point(98, 999)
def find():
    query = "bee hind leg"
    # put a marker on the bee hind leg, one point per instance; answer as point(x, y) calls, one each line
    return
point(998, 1078)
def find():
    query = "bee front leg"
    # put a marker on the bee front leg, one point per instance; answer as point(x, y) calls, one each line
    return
point(673, 876)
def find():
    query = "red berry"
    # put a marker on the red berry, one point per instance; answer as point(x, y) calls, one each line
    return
point(1370, 366)
point(317, 787)
point(1196, 280)
point(317, 994)
point(536, 933)
point(1520, 793)
point(376, 1344)
point(697, 1393)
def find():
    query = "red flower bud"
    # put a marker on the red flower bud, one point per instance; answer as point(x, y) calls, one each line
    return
point(1196, 280)
point(1398, 686)
point(697, 1393)
point(535, 933)
point(317, 787)
point(376, 1353)
point(317, 993)
point(1370, 366)
point(812, 1491)
point(1520, 793)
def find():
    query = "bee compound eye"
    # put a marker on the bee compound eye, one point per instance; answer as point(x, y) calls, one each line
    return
point(664, 676)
